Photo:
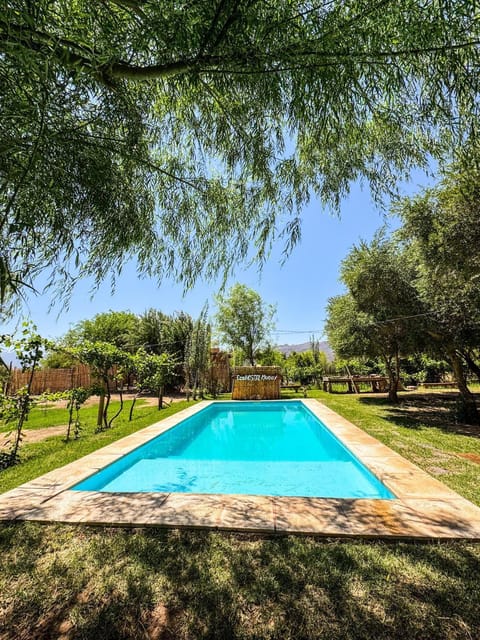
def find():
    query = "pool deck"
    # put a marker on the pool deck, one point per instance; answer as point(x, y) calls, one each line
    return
point(424, 508)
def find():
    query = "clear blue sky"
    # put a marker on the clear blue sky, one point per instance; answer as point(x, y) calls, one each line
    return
point(300, 288)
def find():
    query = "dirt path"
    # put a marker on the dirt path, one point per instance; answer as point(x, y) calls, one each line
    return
point(36, 435)
point(93, 400)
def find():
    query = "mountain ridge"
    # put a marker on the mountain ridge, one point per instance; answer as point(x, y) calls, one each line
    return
point(305, 346)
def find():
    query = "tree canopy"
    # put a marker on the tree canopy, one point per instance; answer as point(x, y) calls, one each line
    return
point(381, 316)
point(244, 321)
point(183, 135)
point(419, 291)
point(118, 328)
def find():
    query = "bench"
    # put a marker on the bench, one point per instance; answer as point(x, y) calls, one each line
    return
point(432, 385)
point(296, 387)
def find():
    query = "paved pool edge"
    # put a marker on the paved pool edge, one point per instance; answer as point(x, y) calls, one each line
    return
point(424, 508)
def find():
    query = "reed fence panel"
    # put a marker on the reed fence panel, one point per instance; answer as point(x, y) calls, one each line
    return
point(256, 383)
point(51, 380)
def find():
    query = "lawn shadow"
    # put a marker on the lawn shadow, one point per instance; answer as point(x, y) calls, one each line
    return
point(159, 584)
point(417, 411)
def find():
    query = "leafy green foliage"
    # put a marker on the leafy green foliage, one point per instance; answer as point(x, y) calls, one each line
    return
point(29, 350)
point(307, 367)
point(243, 320)
point(161, 333)
point(106, 361)
point(442, 235)
point(152, 372)
point(185, 137)
point(381, 314)
point(442, 232)
point(115, 327)
point(268, 357)
point(76, 397)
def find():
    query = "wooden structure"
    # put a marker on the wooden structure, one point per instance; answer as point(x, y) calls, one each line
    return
point(256, 383)
point(438, 385)
point(377, 383)
point(220, 372)
point(294, 385)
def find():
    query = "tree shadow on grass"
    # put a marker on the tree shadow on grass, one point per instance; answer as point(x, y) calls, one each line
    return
point(425, 410)
point(160, 584)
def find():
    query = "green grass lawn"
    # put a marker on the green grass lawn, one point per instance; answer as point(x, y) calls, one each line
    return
point(59, 581)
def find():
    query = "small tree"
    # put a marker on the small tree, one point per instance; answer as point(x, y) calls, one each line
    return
point(270, 357)
point(152, 372)
point(76, 397)
point(244, 321)
point(29, 350)
point(103, 357)
point(113, 327)
point(307, 367)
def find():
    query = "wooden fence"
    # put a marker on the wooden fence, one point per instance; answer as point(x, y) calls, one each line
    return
point(220, 373)
point(256, 383)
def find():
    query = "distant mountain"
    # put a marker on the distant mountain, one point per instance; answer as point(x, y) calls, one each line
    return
point(305, 346)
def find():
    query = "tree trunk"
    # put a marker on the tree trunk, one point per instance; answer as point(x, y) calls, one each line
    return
point(120, 393)
point(105, 409)
point(130, 415)
point(393, 382)
point(472, 365)
point(101, 404)
point(160, 398)
point(70, 413)
point(469, 407)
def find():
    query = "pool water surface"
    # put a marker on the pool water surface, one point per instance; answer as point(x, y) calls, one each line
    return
point(269, 448)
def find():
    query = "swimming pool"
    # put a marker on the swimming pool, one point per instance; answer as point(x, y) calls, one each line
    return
point(269, 448)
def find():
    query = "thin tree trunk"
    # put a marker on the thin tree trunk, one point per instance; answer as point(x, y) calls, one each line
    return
point(70, 420)
point(130, 415)
point(397, 371)
point(472, 365)
point(392, 388)
point(101, 405)
point(70, 414)
point(105, 410)
point(469, 407)
point(120, 393)
point(24, 409)
point(160, 398)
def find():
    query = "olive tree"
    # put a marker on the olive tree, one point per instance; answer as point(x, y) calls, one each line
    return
point(440, 229)
point(152, 372)
point(381, 316)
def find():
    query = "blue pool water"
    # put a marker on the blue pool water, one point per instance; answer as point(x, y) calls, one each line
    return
point(257, 448)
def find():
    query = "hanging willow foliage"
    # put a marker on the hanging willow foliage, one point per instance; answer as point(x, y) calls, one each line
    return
point(183, 135)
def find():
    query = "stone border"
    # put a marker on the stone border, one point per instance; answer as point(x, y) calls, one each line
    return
point(424, 508)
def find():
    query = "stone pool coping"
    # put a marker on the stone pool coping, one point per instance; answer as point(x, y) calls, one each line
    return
point(424, 508)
